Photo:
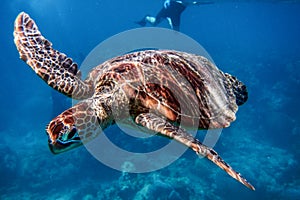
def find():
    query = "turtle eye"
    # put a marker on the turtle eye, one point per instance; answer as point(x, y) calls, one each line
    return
point(72, 133)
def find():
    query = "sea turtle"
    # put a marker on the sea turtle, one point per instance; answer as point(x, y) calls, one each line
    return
point(142, 82)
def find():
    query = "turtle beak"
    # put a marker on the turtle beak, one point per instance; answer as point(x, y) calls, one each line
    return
point(53, 148)
point(57, 147)
point(62, 134)
point(64, 141)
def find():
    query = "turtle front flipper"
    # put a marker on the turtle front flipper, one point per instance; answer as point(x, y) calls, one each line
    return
point(55, 68)
point(163, 127)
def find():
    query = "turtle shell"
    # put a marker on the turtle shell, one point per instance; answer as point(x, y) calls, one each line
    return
point(177, 85)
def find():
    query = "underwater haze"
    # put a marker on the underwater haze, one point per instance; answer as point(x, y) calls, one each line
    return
point(257, 41)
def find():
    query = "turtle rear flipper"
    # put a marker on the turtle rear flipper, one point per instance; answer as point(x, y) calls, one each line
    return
point(239, 89)
point(161, 126)
point(55, 68)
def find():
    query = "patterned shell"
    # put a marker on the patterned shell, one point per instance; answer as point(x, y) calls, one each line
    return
point(177, 85)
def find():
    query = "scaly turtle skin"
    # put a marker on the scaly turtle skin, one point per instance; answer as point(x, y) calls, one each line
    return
point(158, 90)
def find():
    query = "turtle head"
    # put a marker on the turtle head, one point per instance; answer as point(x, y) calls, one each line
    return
point(63, 133)
point(75, 126)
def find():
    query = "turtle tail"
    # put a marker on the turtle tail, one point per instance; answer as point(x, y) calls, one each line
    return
point(239, 89)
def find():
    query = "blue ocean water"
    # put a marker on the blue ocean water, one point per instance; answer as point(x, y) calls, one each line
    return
point(258, 41)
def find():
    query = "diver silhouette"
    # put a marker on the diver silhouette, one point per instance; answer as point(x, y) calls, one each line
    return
point(171, 11)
